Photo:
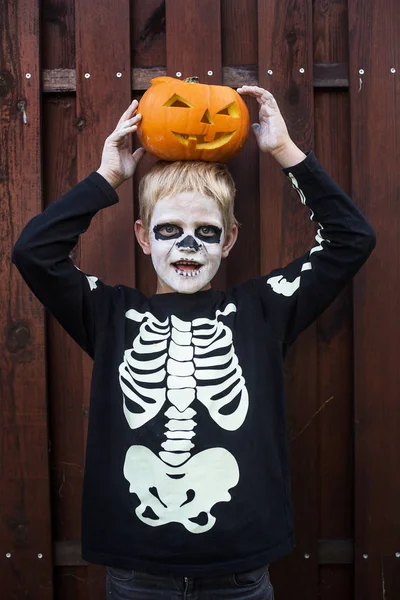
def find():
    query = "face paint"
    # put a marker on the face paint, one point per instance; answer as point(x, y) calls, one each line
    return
point(186, 240)
point(167, 227)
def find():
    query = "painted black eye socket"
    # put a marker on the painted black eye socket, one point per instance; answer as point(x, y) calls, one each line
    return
point(168, 229)
point(207, 230)
point(165, 231)
point(209, 233)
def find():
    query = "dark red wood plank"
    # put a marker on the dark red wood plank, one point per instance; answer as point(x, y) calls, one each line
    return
point(239, 32)
point(335, 343)
point(25, 528)
point(375, 108)
point(58, 34)
point(239, 39)
point(103, 94)
point(194, 48)
point(285, 69)
point(194, 39)
point(330, 31)
point(148, 33)
point(336, 581)
point(64, 356)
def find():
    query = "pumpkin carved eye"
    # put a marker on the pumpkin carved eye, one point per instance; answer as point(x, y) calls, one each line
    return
point(177, 102)
point(232, 110)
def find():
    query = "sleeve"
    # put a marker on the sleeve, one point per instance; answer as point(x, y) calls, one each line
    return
point(295, 295)
point(42, 251)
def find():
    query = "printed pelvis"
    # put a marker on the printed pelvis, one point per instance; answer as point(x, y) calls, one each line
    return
point(177, 363)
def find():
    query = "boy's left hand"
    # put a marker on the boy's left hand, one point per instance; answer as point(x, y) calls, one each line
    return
point(271, 133)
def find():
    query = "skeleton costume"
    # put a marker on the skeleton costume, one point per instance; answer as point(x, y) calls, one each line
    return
point(187, 468)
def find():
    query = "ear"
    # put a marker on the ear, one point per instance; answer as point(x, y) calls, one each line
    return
point(142, 237)
point(229, 241)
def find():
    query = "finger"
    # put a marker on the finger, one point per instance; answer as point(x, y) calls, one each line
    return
point(138, 154)
point(256, 130)
point(132, 121)
point(122, 132)
point(131, 108)
point(259, 93)
point(254, 90)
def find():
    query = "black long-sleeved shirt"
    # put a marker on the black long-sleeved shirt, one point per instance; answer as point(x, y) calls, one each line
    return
point(187, 468)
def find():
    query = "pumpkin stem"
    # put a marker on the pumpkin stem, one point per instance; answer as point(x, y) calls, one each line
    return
point(193, 79)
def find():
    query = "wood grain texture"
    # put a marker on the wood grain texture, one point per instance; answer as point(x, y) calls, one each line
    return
point(25, 521)
point(239, 32)
point(107, 248)
point(66, 370)
point(375, 105)
point(335, 343)
point(194, 48)
point(148, 34)
point(58, 34)
point(285, 47)
point(326, 75)
point(194, 39)
point(244, 39)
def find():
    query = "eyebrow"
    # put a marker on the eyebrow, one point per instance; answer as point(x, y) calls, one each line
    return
point(180, 223)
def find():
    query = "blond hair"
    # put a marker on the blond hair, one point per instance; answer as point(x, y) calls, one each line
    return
point(171, 178)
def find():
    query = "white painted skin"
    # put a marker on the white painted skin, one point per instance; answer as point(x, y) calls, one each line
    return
point(189, 211)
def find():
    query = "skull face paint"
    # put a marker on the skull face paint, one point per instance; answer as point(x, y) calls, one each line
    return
point(186, 241)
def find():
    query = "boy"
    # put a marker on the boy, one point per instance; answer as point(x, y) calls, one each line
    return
point(187, 487)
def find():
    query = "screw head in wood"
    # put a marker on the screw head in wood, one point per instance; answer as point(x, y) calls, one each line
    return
point(40, 555)
point(209, 73)
point(87, 75)
point(361, 71)
point(28, 75)
point(393, 70)
point(397, 555)
point(270, 71)
point(365, 556)
point(178, 74)
point(306, 556)
point(301, 70)
point(8, 555)
point(119, 74)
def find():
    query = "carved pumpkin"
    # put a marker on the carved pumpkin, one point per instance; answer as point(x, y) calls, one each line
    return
point(187, 120)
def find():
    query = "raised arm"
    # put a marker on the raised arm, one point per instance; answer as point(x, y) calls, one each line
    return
point(42, 251)
point(295, 295)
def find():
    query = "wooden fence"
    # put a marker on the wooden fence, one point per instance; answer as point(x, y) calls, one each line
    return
point(67, 72)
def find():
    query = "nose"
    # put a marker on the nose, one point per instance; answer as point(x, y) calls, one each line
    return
point(189, 243)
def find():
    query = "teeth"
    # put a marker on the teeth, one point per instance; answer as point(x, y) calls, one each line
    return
point(187, 273)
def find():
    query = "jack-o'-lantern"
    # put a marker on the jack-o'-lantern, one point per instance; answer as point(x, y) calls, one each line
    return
point(187, 120)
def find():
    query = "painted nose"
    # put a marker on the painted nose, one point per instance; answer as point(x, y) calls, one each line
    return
point(189, 243)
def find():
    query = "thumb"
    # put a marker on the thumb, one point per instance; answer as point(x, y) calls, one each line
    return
point(138, 154)
point(256, 129)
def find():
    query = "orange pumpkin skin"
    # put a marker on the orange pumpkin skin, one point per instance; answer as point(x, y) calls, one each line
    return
point(192, 121)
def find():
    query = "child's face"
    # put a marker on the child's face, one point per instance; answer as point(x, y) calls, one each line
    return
point(187, 241)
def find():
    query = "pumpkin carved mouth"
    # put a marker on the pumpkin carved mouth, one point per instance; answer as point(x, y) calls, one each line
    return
point(219, 140)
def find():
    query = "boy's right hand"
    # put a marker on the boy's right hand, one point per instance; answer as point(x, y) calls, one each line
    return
point(117, 162)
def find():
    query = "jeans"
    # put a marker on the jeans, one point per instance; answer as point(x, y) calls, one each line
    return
point(123, 584)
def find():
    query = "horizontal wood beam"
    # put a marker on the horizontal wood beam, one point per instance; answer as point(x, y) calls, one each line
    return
point(330, 552)
point(330, 75)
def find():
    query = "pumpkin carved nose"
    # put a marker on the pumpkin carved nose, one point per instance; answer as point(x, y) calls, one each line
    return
point(206, 118)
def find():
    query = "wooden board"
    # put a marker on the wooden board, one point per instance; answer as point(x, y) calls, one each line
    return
point(375, 105)
point(285, 47)
point(194, 48)
point(25, 528)
point(107, 249)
